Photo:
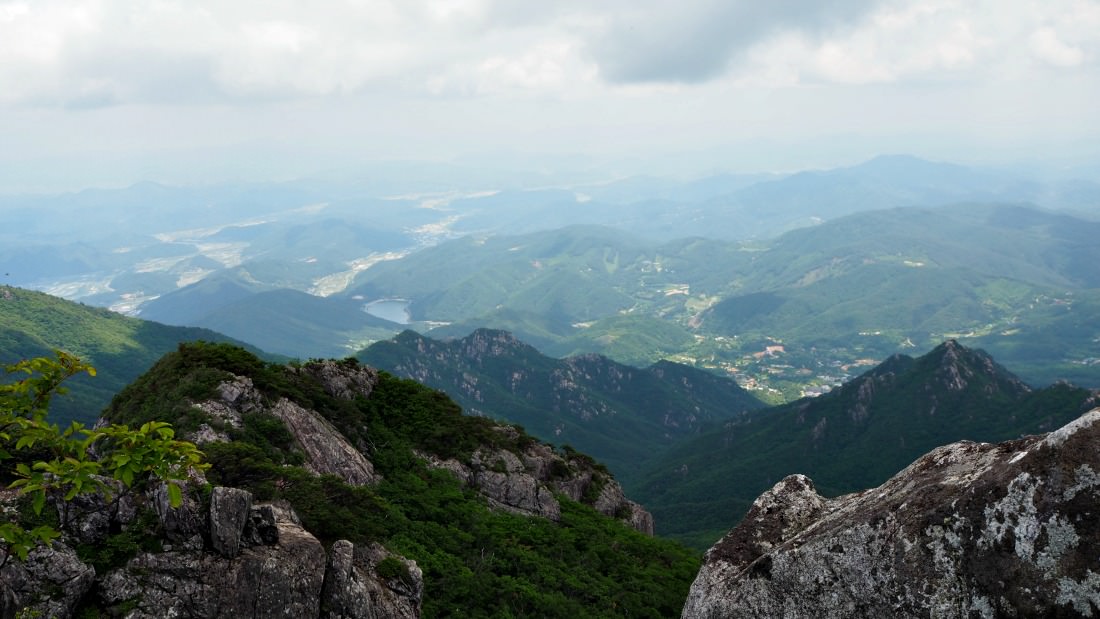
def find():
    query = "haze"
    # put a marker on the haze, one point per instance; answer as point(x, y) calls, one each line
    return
point(111, 93)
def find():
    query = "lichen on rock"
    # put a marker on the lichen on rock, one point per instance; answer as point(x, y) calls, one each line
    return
point(969, 529)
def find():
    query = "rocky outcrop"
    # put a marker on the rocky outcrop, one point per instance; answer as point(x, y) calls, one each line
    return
point(229, 512)
point(239, 559)
point(367, 582)
point(344, 380)
point(526, 483)
point(50, 583)
point(968, 530)
point(282, 579)
point(326, 450)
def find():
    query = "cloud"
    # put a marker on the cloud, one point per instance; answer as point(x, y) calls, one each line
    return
point(693, 42)
point(1048, 47)
point(88, 53)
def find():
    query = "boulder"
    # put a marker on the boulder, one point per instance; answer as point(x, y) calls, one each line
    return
point(968, 530)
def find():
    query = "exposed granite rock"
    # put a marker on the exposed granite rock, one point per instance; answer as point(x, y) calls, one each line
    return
point(502, 478)
point(229, 512)
point(183, 525)
point(968, 530)
point(279, 580)
point(526, 484)
point(50, 583)
point(326, 450)
point(341, 379)
point(234, 560)
point(235, 397)
point(354, 588)
point(88, 517)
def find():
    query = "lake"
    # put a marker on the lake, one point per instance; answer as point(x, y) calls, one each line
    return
point(393, 310)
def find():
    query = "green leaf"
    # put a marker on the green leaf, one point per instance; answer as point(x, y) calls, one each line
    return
point(175, 496)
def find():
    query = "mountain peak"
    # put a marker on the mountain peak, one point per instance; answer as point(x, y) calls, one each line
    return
point(956, 366)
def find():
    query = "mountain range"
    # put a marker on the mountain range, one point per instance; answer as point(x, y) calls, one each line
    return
point(620, 414)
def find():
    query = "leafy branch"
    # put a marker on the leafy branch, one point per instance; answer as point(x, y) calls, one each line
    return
point(48, 461)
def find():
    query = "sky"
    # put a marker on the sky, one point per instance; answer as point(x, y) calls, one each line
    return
point(110, 92)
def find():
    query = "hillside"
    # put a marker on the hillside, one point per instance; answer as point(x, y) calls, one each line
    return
point(852, 438)
point(498, 523)
point(297, 324)
point(573, 274)
point(620, 414)
point(120, 348)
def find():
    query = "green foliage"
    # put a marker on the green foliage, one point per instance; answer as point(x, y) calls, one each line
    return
point(392, 567)
point(45, 460)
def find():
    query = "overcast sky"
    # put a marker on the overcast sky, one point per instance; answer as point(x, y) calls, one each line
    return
point(115, 91)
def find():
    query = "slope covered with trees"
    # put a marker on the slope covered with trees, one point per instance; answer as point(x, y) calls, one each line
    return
point(33, 324)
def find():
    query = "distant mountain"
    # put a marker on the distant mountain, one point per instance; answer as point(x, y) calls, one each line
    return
point(284, 321)
point(576, 273)
point(866, 285)
point(740, 207)
point(807, 198)
point(120, 348)
point(852, 438)
point(622, 415)
point(1018, 281)
point(194, 301)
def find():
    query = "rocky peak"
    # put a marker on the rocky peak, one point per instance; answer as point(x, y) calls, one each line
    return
point(968, 530)
point(344, 380)
point(959, 365)
point(491, 343)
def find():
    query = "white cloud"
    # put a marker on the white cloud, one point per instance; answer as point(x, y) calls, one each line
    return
point(457, 75)
point(141, 51)
point(1049, 48)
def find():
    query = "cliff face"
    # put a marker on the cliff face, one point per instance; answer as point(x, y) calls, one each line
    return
point(968, 530)
point(232, 558)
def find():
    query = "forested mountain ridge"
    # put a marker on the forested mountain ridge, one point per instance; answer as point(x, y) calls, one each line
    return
point(849, 439)
point(620, 414)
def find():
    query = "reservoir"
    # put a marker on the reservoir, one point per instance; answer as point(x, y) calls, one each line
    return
point(393, 310)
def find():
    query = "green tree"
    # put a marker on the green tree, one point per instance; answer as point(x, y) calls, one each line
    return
point(44, 460)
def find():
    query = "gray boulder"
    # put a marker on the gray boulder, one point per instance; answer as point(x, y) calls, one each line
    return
point(230, 509)
point(50, 583)
point(354, 588)
point(968, 530)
